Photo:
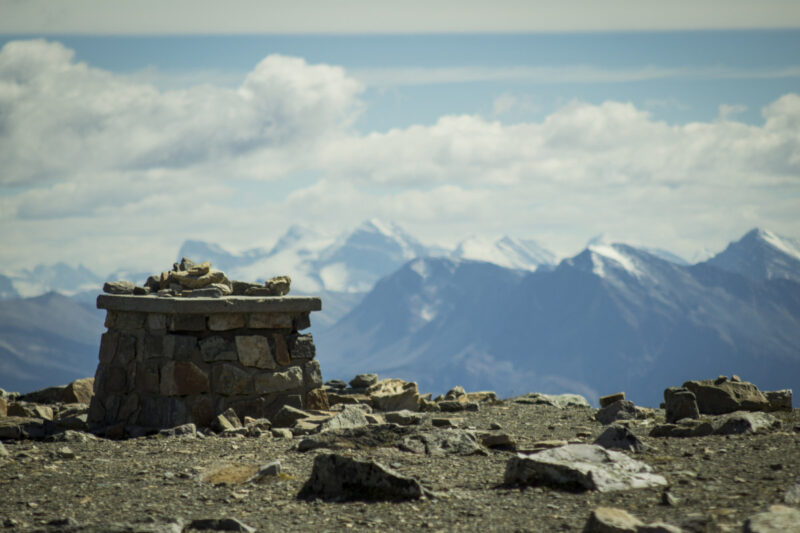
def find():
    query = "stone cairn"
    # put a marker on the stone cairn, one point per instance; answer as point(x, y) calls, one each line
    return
point(190, 344)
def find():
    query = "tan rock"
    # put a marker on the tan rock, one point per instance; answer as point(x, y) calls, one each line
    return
point(79, 391)
point(611, 520)
point(279, 285)
point(254, 351)
point(317, 399)
point(395, 395)
point(30, 410)
point(3, 407)
point(720, 396)
point(278, 381)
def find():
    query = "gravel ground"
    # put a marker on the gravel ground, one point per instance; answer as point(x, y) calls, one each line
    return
point(717, 481)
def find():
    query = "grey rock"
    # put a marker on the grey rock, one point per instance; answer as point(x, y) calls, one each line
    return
point(30, 410)
point(404, 417)
point(680, 403)
point(240, 287)
point(16, 428)
point(350, 417)
point(70, 436)
point(455, 393)
point(611, 520)
point(3, 451)
point(219, 524)
point(118, 287)
point(686, 427)
point(620, 437)
point(792, 495)
point(278, 381)
point(226, 421)
point(335, 384)
point(288, 416)
point(562, 401)
point(778, 519)
point(744, 422)
point(619, 410)
point(362, 381)
point(268, 470)
point(497, 441)
point(204, 292)
point(338, 478)
point(720, 396)
point(281, 433)
point(447, 422)
point(201, 306)
point(581, 467)
point(611, 398)
point(443, 442)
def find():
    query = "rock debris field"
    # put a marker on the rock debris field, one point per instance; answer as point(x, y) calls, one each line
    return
point(720, 456)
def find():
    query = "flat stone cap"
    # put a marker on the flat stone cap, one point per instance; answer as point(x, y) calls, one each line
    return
point(202, 306)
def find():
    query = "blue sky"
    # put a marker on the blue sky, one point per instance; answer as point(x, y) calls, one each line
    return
point(647, 126)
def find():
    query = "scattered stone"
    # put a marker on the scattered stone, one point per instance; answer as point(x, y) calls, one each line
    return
point(70, 436)
point(226, 421)
point(778, 519)
point(443, 442)
point(779, 400)
point(497, 441)
point(483, 396)
point(338, 478)
point(350, 417)
point(268, 470)
point(562, 401)
point(118, 287)
point(404, 418)
point(620, 437)
point(611, 520)
point(219, 524)
point(65, 453)
point(335, 384)
point(669, 499)
point(619, 410)
point(3, 451)
point(680, 403)
point(394, 395)
point(3, 407)
point(605, 401)
point(288, 416)
point(281, 433)
point(720, 396)
point(686, 427)
point(185, 430)
point(581, 467)
point(362, 381)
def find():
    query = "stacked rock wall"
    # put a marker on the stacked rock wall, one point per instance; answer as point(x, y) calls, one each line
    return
point(170, 361)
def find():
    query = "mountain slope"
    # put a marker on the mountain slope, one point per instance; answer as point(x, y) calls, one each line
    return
point(761, 255)
point(611, 318)
point(522, 254)
point(47, 340)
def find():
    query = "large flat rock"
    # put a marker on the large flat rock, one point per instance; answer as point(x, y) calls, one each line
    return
point(199, 306)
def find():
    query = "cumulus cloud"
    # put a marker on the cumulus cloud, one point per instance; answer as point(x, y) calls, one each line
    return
point(97, 167)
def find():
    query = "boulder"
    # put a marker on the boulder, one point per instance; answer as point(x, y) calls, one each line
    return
point(612, 520)
point(118, 287)
point(79, 391)
point(317, 399)
point(680, 403)
point(455, 393)
point(721, 396)
point(779, 400)
point(350, 417)
point(619, 410)
point(443, 442)
point(339, 478)
point(581, 467)
point(288, 416)
point(30, 410)
point(394, 395)
point(404, 418)
point(686, 427)
point(744, 422)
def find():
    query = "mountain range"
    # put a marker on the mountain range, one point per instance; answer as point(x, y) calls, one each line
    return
point(486, 314)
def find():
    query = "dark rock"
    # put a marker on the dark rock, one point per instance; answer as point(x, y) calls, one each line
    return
point(404, 418)
point(268, 470)
point(686, 427)
point(497, 441)
point(680, 403)
point(779, 400)
point(338, 478)
point(454, 406)
point(619, 410)
point(226, 421)
point(620, 437)
point(335, 384)
point(581, 467)
point(240, 287)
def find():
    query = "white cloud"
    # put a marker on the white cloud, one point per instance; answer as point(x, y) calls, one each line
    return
point(111, 172)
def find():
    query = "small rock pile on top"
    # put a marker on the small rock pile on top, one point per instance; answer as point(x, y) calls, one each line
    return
point(192, 280)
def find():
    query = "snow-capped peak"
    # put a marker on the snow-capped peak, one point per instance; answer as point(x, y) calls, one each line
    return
point(504, 251)
point(790, 247)
point(605, 256)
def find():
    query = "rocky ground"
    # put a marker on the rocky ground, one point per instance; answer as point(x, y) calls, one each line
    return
point(73, 481)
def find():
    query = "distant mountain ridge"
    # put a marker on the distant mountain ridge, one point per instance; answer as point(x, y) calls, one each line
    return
point(613, 317)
